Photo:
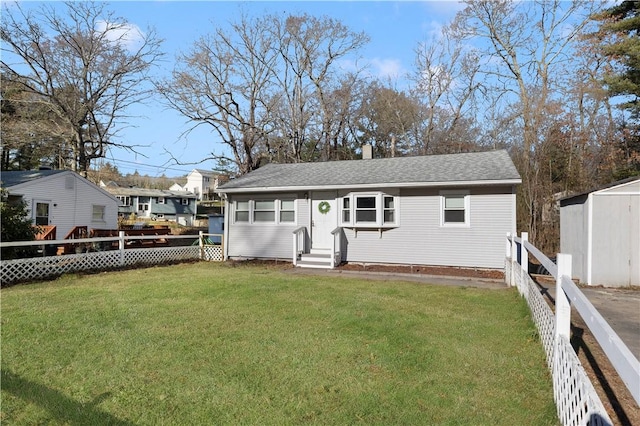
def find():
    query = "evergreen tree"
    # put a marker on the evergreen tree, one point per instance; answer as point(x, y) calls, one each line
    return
point(16, 225)
point(620, 41)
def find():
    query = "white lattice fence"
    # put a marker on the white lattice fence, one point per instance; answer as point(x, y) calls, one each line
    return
point(541, 313)
point(576, 399)
point(212, 253)
point(51, 266)
point(160, 255)
point(577, 402)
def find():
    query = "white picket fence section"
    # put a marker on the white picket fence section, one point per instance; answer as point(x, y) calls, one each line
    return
point(576, 399)
point(18, 270)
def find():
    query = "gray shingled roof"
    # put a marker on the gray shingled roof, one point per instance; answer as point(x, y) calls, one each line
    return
point(144, 192)
point(14, 178)
point(479, 167)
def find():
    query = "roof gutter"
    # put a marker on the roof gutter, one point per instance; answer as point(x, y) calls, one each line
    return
point(261, 189)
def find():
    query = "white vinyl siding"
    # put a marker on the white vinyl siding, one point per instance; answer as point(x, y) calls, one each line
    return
point(421, 240)
point(267, 240)
point(418, 237)
point(72, 199)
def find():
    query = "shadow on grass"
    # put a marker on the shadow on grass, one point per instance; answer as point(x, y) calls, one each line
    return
point(60, 407)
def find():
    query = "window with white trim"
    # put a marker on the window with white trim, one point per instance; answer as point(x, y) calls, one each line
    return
point(242, 211)
point(97, 213)
point(287, 211)
point(346, 210)
point(185, 201)
point(366, 211)
point(161, 200)
point(264, 211)
point(124, 200)
point(454, 208)
point(369, 210)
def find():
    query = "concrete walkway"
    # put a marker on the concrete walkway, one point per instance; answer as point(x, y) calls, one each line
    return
point(391, 276)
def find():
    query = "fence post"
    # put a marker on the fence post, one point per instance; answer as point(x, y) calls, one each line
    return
point(524, 264)
point(121, 246)
point(563, 306)
point(507, 258)
point(201, 244)
point(524, 254)
point(514, 260)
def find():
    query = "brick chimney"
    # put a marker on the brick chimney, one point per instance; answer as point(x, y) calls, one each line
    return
point(367, 152)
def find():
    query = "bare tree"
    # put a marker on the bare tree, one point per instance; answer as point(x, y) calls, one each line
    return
point(317, 92)
point(526, 50)
point(31, 135)
point(87, 64)
point(268, 87)
point(387, 117)
point(446, 83)
point(226, 81)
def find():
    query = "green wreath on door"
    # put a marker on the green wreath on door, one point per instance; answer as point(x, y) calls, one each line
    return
point(324, 207)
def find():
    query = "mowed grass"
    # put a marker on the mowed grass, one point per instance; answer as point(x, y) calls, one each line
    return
point(208, 343)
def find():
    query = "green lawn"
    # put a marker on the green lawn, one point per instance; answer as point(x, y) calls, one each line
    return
point(210, 343)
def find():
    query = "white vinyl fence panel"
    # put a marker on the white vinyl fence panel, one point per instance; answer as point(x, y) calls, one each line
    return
point(18, 270)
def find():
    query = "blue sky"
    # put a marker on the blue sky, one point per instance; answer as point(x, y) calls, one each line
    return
point(395, 29)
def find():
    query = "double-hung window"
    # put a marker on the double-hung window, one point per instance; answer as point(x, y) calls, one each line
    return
point(97, 213)
point(366, 211)
point(369, 210)
point(454, 208)
point(242, 211)
point(287, 211)
point(346, 210)
point(264, 211)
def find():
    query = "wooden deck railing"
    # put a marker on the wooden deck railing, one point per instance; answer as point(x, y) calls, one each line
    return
point(46, 232)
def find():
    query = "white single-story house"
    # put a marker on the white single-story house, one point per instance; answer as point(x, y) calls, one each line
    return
point(445, 210)
point(174, 206)
point(62, 198)
point(600, 229)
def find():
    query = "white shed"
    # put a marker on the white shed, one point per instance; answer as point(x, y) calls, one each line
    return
point(601, 231)
point(63, 198)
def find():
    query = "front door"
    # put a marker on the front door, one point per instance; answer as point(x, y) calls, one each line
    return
point(324, 219)
point(41, 212)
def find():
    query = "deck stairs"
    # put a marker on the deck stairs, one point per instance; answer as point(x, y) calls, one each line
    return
point(316, 258)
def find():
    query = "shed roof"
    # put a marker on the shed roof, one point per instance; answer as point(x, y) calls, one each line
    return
point(601, 188)
point(450, 169)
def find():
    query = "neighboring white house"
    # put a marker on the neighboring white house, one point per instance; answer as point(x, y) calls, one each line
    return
point(600, 229)
point(175, 206)
point(62, 198)
point(203, 183)
point(449, 210)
